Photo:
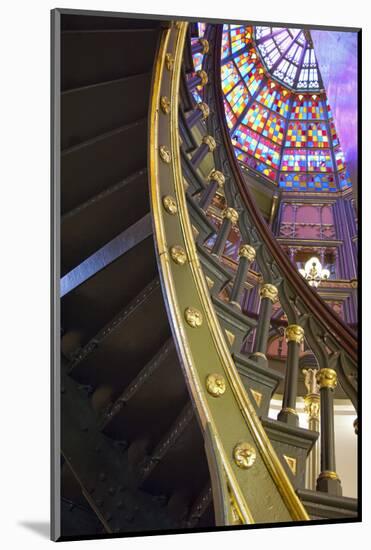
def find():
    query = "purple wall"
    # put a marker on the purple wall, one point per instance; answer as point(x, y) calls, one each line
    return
point(337, 58)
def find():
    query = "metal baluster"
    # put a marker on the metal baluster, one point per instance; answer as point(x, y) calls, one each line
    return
point(201, 46)
point(268, 294)
point(294, 337)
point(200, 112)
point(246, 255)
point(328, 480)
point(216, 179)
point(230, 217)
point(208, 145)
point(199, 79)
point(312, 408)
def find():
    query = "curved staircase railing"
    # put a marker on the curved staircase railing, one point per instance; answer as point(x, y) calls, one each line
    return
point(258, 486)
point(330, 340)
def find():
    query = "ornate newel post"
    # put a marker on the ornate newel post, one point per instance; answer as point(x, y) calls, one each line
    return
point(200, 112)
point(208, 145)
point(328, 481)
point(199, 79)
point(230, 217)
point(216, 179)
point(268, 294)
point(294, 336)
point(201, 46)
point(312, 408)
point(246, 255)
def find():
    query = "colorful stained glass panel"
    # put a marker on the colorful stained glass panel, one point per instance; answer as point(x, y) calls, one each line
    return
point(256, 117)
point(319, 161)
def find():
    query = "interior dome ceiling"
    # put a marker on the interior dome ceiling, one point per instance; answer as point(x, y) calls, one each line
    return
point(277, 111)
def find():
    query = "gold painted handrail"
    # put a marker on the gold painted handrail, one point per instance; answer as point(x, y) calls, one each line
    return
point(258, 486)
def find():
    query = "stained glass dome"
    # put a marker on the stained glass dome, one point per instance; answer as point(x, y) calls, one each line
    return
point(277, 111)
point(280, 121)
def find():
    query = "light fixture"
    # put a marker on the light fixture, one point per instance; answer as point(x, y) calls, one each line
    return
point(313, 272)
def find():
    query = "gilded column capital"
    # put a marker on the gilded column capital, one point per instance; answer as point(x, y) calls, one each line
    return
point(294, 333)
point(310, 381)
point(203, 76)
point(205, 45)
point(231, 214)
point(204, 108)
point(327, 378)
point(210, 142)
point(269, 291)
point(216, 175)
point(312, 406)
point(247, 251)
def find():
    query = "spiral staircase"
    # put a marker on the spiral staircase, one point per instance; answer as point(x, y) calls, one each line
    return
point(164, 416)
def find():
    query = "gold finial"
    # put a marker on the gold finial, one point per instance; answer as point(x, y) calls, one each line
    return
point(204, 78)
point(269, 291)
point(210, 142)
point(247, 251)
point(244, 455)
point(193, 317)
point(205, 45)
point(178, 254)
point(165, 104)
point(169, 61)
point(170, 205)
point(216, 175)
point(231, 214)
point(215, 384)
point(204, 108)
point(165, 154)
point(327, 378)
point(294, 333)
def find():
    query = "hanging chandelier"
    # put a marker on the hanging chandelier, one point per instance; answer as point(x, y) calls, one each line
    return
point(313, 272)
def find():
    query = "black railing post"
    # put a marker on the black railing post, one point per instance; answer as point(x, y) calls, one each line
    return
point(294, 337)
point(216, 179)
point(246, 255)
point(199, 79)
point(328, 480)
point(200, 112)
point(230, 217)
point(201, 46)
point(268, 294)
point(208, 145)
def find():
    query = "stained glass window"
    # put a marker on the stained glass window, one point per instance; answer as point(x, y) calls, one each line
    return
point(280, 120)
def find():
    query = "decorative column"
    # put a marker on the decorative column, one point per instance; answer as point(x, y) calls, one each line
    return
point(268, 295)
point(208, 145)
point(328, 481)
point(273, 209)
point(312, 408)
point(199, 79)
point(246, 255)
point(200, 112)
point(216, 179)
point(201, 46)
point(230, 217)
point(294, 335)
point(292, 251)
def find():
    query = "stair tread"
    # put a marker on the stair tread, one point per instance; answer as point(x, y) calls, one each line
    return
point(95, 301)
point(104, 55)
point(111, 211)
point(113, 356)
point(98, 163)
point(158, 392)
point(93, 110)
